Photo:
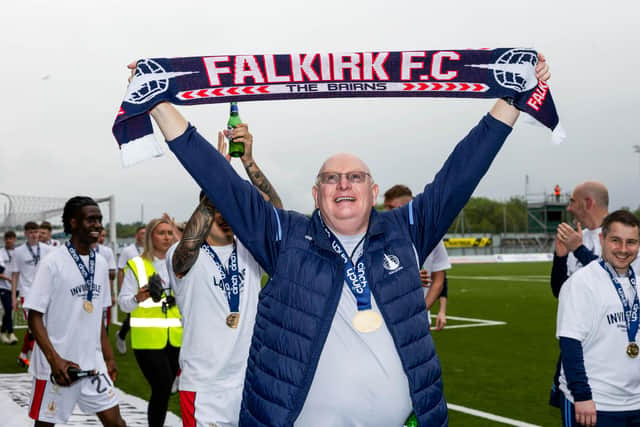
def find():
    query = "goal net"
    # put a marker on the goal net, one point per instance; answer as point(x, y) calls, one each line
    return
point(17, 209)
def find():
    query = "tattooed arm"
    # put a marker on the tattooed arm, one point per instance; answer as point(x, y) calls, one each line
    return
point(258, 179)
point(194, 235)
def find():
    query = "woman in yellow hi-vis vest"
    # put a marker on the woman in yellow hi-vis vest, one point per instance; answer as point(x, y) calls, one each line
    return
point(156, 328)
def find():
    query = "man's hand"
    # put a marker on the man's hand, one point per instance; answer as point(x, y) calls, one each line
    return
point(441, 321)
point(425, 278)
point(508, 114)
point(59, 367)
point(14, 302)
point(561, 249)
point(542, 69)
point(168, 119)
point(586, 413)
point(241, 134)
point(112, 369)
point(569, 237)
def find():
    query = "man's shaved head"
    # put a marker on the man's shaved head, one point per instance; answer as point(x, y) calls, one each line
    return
point(596, 191)
point(589, 203)
point(341, 159)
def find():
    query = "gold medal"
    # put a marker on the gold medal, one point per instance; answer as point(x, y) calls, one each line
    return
point(88, 307)
point(633, 350)
point(367, 321)
point(233, 319)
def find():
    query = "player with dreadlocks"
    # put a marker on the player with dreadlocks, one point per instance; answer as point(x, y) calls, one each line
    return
point(69, 292)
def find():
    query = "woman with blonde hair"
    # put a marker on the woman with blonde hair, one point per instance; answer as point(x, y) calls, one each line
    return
point(156, 329)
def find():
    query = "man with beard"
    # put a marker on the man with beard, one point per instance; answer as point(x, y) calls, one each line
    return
point(216, 281)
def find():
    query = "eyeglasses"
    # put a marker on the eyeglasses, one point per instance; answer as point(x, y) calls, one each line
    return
point(355, 177)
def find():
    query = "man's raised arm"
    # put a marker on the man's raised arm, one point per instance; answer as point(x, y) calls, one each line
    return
point(437, 206)
point(195, 233)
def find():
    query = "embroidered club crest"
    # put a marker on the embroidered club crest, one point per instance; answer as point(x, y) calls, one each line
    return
point(391, 262)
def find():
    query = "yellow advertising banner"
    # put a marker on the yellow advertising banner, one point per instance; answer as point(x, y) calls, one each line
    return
point(467, 242)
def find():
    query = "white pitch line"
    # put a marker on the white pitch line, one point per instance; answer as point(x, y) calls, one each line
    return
point(474, 325)
point(488, 416)
point(471, 319)
point(502, 278)
point(475, 322)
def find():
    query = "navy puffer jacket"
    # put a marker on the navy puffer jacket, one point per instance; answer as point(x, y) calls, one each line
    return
point(298, 304)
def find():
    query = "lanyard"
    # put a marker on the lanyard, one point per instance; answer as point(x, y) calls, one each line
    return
point(355, 276)
point(630, 313)
point(230, 276)
point(87, 275)
point(9, 253)
point(36, 257)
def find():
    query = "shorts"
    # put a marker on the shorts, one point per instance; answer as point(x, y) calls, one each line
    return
point(52, 403)
point(206, 409)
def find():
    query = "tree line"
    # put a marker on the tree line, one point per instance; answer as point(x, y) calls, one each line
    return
point(480, 215)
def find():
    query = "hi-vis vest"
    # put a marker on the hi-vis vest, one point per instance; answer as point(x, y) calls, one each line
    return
point(149, 325)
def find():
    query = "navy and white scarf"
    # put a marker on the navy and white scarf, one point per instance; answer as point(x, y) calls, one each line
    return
point(497, 73)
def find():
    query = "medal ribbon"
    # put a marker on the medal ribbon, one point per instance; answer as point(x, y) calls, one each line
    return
point(230, 276)
point(630, 313)
point(87, 274)
point(36, 257)
point(354, 275)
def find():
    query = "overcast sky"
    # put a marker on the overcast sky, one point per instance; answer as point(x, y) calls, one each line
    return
point(63, 77)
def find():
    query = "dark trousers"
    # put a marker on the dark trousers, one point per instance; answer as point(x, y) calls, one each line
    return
point(126, 325)
point(160, 368)
point(7, 319)
point(556, 396)
point(603, 418)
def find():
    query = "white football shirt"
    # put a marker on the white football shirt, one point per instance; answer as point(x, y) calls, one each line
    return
point(6, 258)
point(107, 254)
point(59, 291)
point(25, 264)
point(591, 312)
point(213, 357)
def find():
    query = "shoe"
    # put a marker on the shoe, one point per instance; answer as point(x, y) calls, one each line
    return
point(121, 345)
point(23, 362)
point(13, 339)
point(4, 337)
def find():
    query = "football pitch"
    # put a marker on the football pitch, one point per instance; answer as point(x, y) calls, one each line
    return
point(498, 352)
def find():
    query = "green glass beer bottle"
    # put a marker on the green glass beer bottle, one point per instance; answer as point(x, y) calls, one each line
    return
point(412, 421)
point(236, 149)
